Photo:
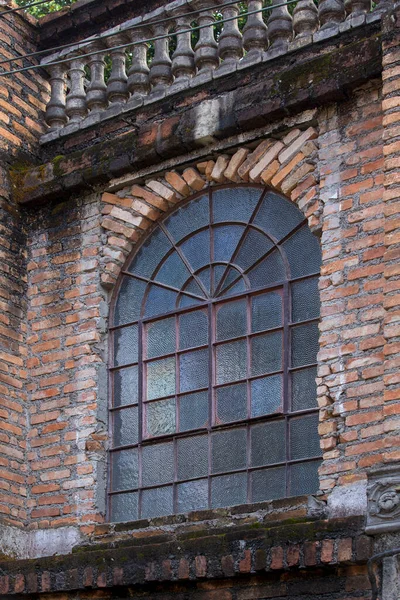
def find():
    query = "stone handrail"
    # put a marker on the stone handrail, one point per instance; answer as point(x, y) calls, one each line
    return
point(150, 57)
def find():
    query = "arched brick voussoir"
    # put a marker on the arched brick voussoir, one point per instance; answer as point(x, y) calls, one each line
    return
point(287, 165)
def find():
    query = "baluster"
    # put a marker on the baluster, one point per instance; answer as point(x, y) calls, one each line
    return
point(280, 27)
point(183, 57)
point(255, 38)
point(305, 18)
point(56, 117)
point(117, 85)
point(206, 50)
point(138, 74)
point(96, 94)
point(230, 42)
point(76, 99)
point(160, 70)
point(359, 7)
point(330, 12)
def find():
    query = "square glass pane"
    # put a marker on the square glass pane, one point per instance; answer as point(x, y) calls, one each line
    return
point(304, 389)
point(268, 443)
point(161, 338)
point(231, 361)
point(305, 344)
point(304, 437)
point(192, 496)
point(196, 249)
point(278, 216)
point(266, 312)
point(226, 238)
point(150, 254)
point(269, 484)
point(303, 252)
point(229, 490)
point(268, 271)
point(229, 450)
point(157, 502)
point(253, 247)
point(193, 411)
point(235, 204)
point(126, 382)
point(266, 353)
point(157, 464)
point(124, 470)
point(160, 301)
point(305, 300)
point(304, 478)
point(231, 403)
point(126, 427)
point(266, 395)
point(161, 378)
point(189, 218)
point(129, 301)
point(193, 330)
point(160, 417)
point(124, 507)
point(193, 457)
point(193, 370)
point(126, 346)
point(231, 320)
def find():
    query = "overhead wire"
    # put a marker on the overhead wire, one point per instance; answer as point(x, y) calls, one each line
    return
point(144, 41)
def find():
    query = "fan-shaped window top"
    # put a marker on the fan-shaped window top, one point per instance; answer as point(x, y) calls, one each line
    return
point(215, 337)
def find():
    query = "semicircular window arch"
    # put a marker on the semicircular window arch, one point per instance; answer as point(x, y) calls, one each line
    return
point(213, 362)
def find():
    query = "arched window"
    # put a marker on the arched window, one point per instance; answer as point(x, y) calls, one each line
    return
point(214, 347)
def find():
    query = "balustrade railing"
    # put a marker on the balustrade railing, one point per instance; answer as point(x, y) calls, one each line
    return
point(183, 44)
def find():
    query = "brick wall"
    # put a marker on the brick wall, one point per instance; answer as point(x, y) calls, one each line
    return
point(21, 118)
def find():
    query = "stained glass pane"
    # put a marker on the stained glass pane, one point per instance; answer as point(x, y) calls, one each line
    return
point(305, 344)
point(193, 329)
point(228, 450)
point(305, 300)
point(126, 386)
point(125, 427)
point(161, 337)
point(303, 252)
point(226, 238)
point(160, 417)
point(192, 496)
point(304, 389)
point(266, 395)
point(124, 470)
point(266, 312)
point(278, 216)
point(150, 254)
point(157, 502)
point(197, 249)
point(173, 272)
point(193, 370)
point(189, 218)
point(157, 464)
point(304, 438)
point(304, 478)
point(268, 271)
point(266, 353)
point(232, 403)
point(235, 204)
point(161, 378)
point(269, 484)
point(193, 411)
point(254, 246)
point(231, 320)
point(192, 457)
point(231, 361)
point(124, 507)
point(229, 490)
point(129, 301)
point(126, 346)
point(160, 301)
point(268, 444)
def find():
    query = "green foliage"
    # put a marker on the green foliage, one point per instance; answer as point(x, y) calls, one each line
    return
point(46, 8)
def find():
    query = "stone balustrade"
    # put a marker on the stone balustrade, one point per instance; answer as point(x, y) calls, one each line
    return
point(181, 45)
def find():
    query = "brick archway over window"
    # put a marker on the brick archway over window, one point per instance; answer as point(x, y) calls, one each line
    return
point(287, 165)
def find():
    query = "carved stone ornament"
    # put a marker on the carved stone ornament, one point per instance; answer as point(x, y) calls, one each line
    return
point(384, 500)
